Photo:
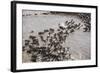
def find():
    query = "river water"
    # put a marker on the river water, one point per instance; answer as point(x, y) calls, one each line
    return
point(79, 41)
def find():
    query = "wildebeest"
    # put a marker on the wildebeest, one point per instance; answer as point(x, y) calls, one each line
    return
point(72, 30)
point(69, 23)
point(32, 31)
point(66, 32)
point(42, 39)
point(35, 14)
point(40, 33)
point(51, 30)
point(33, 58)
point(23, 48)
point(32, 37)
point(46, 30)
point(62, 26)
point(45, 13)
point(87, 27)
point(27, 42)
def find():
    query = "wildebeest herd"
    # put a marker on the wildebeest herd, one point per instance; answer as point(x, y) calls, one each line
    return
point(48, 45)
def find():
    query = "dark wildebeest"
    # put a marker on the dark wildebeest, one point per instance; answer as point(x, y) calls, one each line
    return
point(27, 42)
point(32, 37)
point(87, 27)
point(32, 31)
point(40, 33)
point(72, 30)
point(46, 30)
point(51, 30)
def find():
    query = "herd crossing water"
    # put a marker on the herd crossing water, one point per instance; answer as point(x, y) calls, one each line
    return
point(55, 37)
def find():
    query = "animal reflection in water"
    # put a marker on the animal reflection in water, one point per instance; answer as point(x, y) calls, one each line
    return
point(48, 45)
